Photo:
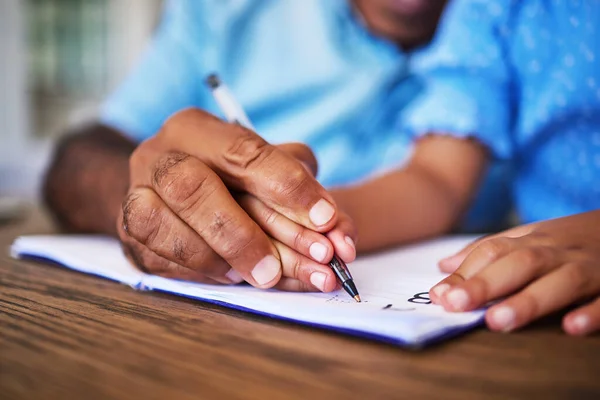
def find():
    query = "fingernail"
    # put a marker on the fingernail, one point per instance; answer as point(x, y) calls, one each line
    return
point(318, 251)
point(581, 323)
point(318, 280)
point(504, 318)
point(440, 289)
point(266, 270)
point(350, 242)
point(321, 213)
point(234, 276)
point(458, 299)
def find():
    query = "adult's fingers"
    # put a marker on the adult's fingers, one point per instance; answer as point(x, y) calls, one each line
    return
point(293, 235)
point(294, 285)
point(200, 199)
point(148, 261)
point(246, 162)
point(300, 268)
point(148, 220)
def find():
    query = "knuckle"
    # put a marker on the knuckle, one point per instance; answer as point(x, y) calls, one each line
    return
point(296, 266)
point(129, 208)
point(492, 249)
point(141, 218)
point(218, 225)
point(294, 184)
point(578, 276)
point(166, 168)
point(247, 150)
point(543, 239)
point(479, 287)
point(182, 252)
point(298, 239)
point(183, 183)
point(270, 216)
point(232, 247)
point(531, 256)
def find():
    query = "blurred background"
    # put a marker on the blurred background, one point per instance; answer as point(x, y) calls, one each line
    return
point(58, 60)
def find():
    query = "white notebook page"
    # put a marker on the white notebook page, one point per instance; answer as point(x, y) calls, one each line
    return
point(393, 286)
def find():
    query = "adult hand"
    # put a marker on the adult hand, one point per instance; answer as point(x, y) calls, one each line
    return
point(181, 218)
point(538, 268)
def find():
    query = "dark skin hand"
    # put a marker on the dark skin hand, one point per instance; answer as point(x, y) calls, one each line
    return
point(88, 179)
point(228, 210)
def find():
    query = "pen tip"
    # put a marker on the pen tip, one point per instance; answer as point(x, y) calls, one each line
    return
point(357, 298)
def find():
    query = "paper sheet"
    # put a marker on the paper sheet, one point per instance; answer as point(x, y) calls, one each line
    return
point(393, 286)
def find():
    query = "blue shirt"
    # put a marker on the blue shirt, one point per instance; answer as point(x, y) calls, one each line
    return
point(305, 71)
point(523, 77)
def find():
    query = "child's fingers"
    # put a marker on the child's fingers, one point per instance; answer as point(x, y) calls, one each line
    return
point(451, 263)
point(556, 290)
point(489, 252)
point(501, 278)
point(584, 320)
point(437, 292)
point(484, 253)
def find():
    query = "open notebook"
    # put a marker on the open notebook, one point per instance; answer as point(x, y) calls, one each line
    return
point(393, 286)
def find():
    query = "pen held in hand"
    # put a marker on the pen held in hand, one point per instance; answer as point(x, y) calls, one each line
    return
point(234, 113)
point(342, 273)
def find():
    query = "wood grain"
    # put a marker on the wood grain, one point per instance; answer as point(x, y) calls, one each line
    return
point(68, 335)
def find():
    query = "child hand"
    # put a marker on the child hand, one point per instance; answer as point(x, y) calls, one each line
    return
point(539, 268)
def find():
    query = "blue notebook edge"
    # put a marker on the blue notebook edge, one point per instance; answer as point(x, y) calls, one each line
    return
point(426, 341)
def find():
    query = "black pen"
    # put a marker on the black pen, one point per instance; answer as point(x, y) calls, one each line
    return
point(344, 277)
point(235, 114)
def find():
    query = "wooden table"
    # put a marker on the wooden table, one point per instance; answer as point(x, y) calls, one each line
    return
point(65, 335)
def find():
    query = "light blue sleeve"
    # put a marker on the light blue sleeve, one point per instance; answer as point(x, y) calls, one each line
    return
point(466, 88)
point(168, 77)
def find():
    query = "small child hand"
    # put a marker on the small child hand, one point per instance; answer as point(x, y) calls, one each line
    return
point(539, 268)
